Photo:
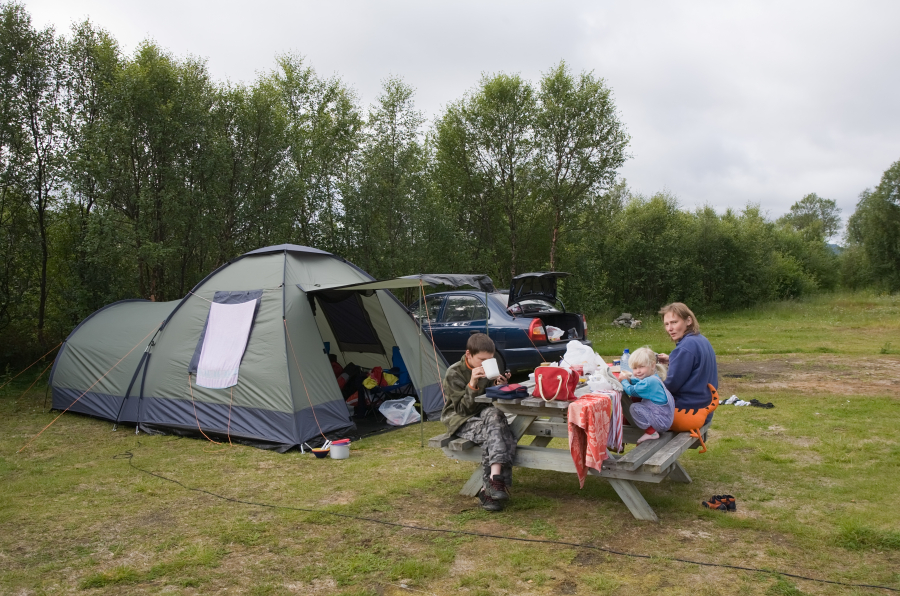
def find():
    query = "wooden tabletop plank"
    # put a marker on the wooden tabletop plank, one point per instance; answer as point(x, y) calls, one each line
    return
point(644, 451)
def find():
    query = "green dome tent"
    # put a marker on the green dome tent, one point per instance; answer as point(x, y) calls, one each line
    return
point(140, 362)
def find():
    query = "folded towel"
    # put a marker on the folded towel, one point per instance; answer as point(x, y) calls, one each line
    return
point(227, 332)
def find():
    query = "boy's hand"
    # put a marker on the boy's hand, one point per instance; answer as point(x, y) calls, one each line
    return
point(478, 373)
point(501, 380)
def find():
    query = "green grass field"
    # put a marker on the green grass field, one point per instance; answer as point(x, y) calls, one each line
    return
point(84, 510)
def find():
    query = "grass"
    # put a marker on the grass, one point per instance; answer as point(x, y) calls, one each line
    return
point(816, 480)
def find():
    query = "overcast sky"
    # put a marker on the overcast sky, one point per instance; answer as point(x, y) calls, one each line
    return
point(726, 103)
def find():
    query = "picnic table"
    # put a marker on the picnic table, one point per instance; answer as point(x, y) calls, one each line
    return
point(651, 461)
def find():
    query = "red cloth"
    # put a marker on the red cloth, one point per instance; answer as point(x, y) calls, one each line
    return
point(588, 432)
point(337, 368)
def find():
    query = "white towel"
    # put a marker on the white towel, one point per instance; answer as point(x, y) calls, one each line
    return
point(224, 343)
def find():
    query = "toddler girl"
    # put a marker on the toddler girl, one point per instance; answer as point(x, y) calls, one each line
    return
point(657, 407)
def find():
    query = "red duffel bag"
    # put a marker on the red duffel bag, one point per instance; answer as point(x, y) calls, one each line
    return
point(552, 383)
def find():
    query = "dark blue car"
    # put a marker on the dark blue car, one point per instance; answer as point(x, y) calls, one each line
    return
point(518, 321)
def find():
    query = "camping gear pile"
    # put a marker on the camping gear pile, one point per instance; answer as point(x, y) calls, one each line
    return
point(626, 320)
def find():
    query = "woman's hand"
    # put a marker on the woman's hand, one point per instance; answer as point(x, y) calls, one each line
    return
point(663, 358)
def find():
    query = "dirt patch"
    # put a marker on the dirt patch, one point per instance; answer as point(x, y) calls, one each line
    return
point(806, 373)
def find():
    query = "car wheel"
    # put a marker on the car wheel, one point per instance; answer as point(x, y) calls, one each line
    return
point(501, 362)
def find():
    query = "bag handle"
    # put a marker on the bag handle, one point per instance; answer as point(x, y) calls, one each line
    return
point(541, 389)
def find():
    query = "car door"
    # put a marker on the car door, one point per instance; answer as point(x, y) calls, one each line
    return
point(462, 315)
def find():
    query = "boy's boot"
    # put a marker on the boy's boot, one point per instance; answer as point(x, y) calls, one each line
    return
point(496, 489)
point(487, 503)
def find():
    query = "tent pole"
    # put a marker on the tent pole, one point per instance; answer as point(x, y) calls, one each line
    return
point(421, 374)
point(487, 328)
point(130, 386)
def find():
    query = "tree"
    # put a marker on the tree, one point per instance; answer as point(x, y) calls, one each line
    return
point(32, 96)
point(323, 129)
point(382, 212)
point(815, 216)
point(485, 153)
point(875, 226)
point(580, 144)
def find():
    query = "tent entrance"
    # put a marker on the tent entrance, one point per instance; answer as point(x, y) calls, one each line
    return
point(349, 321)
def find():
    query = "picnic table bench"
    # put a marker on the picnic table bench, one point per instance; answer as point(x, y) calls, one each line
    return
point(651, 461)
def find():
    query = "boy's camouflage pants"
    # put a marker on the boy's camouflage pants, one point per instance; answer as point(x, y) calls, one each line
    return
point(498, 446)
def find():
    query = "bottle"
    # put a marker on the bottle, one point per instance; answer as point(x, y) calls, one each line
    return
point(625, 356)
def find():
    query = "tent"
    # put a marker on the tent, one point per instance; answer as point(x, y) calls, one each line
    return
point(137, 362)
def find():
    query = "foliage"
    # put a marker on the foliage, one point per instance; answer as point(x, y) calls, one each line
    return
point(134, 176)
point(875, 228)
point(815, 216)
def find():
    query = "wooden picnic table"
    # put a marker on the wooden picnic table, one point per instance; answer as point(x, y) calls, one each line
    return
point(651, 461)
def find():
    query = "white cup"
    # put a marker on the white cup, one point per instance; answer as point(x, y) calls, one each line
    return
point(491, 370)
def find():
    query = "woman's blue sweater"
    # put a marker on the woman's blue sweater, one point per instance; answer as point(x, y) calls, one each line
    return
point(692, 364)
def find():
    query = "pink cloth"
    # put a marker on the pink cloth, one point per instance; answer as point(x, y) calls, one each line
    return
point(588, 432)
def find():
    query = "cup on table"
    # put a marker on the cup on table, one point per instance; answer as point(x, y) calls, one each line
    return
point(491, 370)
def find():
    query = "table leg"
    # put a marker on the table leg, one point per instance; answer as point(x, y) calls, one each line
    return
point(679, 474)
point(518, 426)
point(633, 499)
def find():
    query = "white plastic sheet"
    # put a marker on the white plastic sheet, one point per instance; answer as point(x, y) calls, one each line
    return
point(400, 412)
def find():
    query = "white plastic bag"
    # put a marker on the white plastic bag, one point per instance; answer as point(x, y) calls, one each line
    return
point(554, 333)
point(578, 354)
point(400, 412)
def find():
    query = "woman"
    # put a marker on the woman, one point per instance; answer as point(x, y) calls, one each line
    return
point(692, 364)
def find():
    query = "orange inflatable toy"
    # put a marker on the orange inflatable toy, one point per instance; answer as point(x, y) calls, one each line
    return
point(693, 420)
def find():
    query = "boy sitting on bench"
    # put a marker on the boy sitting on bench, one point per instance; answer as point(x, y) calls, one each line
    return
point(482, 424)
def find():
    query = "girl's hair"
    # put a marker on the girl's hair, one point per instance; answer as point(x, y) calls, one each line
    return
point(681, 310)
point(647, 357)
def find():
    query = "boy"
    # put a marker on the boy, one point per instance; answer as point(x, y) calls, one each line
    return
point(482, 424)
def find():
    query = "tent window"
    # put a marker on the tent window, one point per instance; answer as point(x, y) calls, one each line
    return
point(349, 322)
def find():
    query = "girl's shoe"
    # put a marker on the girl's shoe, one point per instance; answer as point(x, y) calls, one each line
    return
point(646, 437)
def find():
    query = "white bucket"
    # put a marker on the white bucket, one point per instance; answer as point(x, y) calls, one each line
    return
point(491, 370)
point(340, 451)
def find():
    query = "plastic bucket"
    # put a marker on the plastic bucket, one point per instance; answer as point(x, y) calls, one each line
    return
point(340, 451)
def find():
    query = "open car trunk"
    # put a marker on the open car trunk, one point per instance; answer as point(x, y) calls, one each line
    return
point(565, 321)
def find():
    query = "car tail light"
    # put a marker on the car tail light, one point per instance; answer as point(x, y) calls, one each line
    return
point(584, 321)
point(536, 330)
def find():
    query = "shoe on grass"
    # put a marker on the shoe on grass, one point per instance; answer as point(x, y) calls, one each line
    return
point(729, 501)
point(489, 504)
point(715, 504)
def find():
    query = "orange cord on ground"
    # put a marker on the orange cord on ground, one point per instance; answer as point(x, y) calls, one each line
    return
point(89, 388)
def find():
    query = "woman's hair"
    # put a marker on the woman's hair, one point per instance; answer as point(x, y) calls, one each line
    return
point(647, 357)
point(681, 310)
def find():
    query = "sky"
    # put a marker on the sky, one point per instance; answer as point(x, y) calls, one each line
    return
point(727, 103)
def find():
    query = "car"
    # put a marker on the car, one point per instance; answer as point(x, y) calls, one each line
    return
point(517, 320)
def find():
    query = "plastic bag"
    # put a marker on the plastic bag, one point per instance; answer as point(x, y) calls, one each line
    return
point(400, 412)
point(554, 333)
point(578, 354)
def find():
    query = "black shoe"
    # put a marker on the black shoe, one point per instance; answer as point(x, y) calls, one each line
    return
point(489, 504)
point(496, 489)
